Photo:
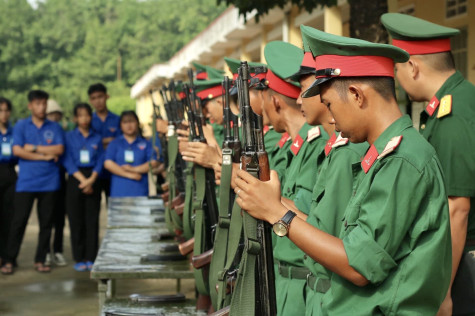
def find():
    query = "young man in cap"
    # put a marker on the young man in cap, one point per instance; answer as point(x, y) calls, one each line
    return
point(105, 123)
point(54, 113)
point(38, 143)
point(397, 215)
point(447, 123)
point(284, 60)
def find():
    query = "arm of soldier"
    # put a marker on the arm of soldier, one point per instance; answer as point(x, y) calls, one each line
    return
point(140, 169)
point(262, 201)
point(209, 135)
point(114, 168)
point(459, 208)
point(291, 206)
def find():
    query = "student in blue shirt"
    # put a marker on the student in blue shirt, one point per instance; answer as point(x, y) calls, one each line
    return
point(38, 143)
point(127, 158)
point(83, 161)
point(105, 123)
point(7, 174)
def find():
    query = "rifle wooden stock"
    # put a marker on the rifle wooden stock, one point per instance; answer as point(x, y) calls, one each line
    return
point(222, 312)
point(179, 209)
point(264, 169)
point(165, 186)
point(178, 200)
point(202, 260)
point(187, 247)
point(165, 196)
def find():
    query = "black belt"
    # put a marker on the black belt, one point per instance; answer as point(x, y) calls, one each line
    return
point(292, 272)
point(318, 284)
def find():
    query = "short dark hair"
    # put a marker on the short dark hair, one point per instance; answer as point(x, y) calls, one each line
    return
point(84, 106)
point(7, 102)
point(384, 86)
point(439, 61)
point(288, 100)
point(97, 87)
point(37, 95)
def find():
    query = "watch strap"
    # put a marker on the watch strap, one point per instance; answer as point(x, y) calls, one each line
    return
point(288, 217)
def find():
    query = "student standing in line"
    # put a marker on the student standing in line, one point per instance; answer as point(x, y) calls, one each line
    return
point(38, 143)
point(54, 113)
point(7, 175)
point(83, 161)
point(105, 123)
point(128, 157)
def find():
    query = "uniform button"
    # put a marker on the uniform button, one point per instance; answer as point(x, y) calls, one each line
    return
point(288, 190)
point(304, 257)
point(346, 224)
point(423, 126)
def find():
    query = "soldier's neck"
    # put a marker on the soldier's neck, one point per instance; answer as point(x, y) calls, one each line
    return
point(293, 123)
point(437, 80)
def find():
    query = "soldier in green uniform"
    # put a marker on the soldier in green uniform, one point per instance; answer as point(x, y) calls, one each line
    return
point(397, 216)
point(447, 123)
point(283, 60)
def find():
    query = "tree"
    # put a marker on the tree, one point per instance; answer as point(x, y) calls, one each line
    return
point(364, 15)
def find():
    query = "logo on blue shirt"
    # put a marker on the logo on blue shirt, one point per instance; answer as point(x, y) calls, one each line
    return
point(48, 135)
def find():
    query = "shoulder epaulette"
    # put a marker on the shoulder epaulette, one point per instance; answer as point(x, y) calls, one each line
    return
point(390, 146)
point(328, 146)
point(432, 106)
point(340, 141)
point(372, 154)
point(285, 138)
point(445, 107)
point(313, 133)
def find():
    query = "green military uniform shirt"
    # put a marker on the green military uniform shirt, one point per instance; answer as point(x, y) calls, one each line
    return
point(218, 131)
point(271, 137)
point(331, 193)
point(300, 178)
point(278, 158)
point(450, 130)
point(395, 231)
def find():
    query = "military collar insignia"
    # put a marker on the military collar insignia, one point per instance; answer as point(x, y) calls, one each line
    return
point(340, 141)
point(372, 154)
point(285, 138)
point(328, 146)
point(432, 106)
point(313, 133)
point(297, 144)
point(445, 106)
point(266, 129)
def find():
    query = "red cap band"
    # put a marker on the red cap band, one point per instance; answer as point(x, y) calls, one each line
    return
point(202, 75)
point(308, 60)
point(210, 93)
point(424, 47)
point(182, 95)
point(259, 75)
point(281, 86)
point(357, 66)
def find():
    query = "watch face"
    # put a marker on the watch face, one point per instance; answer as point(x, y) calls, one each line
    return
point(280, 229)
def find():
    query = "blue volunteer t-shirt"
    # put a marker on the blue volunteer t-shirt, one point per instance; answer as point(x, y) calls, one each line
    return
point(37, 175)
point(83, 152)
point(6, 154)
point(134, 154)
point(109, 128)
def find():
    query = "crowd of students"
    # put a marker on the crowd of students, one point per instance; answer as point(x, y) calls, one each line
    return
point(103, 153)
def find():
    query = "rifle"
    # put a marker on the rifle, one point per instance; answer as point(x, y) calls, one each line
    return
point(255, 161)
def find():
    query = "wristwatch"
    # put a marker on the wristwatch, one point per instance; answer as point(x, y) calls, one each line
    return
point(35, 148)
point(281, 227)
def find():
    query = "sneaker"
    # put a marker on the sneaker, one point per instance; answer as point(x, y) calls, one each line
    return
point(59, 259)
point(80, 266)
point(89, 265)
point(48, 260)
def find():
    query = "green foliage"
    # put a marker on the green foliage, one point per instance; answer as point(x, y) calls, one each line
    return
point(63, 46)
point(263, 6)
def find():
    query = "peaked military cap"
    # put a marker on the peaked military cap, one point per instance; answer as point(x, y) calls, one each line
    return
point(417, 36)
point(208, 89)
point(283, 60)
point(338, 56)
point(204, 72)
point(307, 67)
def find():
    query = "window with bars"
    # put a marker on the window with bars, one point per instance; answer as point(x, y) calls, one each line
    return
point(455, 8)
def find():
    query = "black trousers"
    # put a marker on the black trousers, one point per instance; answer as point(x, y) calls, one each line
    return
point(83, 213)
point(105, 186)
point(59, 216)
point(23, 203)
point(7, 191)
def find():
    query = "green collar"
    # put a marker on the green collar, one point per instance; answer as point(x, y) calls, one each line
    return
point(453, 81)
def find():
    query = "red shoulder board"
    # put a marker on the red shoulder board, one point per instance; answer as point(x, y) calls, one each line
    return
point(432, 106)
point(390, 146)
point(340, 141)
point(313, 133)
point(266, 129)
point(296, 145)
point(328, 146)
point(369, 159)
point(283, 139)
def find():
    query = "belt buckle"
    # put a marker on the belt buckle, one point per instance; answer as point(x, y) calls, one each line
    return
point(308, 276)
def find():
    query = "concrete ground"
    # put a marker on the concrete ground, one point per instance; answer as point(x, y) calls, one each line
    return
point(64, 291)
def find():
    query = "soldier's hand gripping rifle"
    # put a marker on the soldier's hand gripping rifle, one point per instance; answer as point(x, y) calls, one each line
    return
point(257, 255)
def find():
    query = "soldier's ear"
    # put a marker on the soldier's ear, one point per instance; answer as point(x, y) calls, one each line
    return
point(276, 103)
point(413, 68)
point(356, 95)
